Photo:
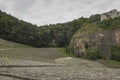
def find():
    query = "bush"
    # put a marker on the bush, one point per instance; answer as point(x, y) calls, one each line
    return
point(115, 53)
point(69, 50)
point(93, 54)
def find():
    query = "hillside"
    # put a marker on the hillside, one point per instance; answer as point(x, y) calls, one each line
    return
point(53, 35)
point(100, 40)
point(85, 35)
point(9, 44)
point(15, 51)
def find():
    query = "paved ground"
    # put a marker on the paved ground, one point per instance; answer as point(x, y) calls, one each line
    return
point(66, 68)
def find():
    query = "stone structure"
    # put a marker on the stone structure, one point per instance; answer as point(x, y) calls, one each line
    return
point(112, 14)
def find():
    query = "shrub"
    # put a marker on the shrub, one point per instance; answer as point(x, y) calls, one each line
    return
point(93, 54)
point(115, 53)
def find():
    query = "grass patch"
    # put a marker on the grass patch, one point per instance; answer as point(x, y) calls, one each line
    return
point(110, 63)
point(115, 53)
point(35, 54)
point(63, 50)
point(9, 44)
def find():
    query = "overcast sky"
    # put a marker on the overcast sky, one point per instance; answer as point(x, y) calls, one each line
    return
point(43, 12)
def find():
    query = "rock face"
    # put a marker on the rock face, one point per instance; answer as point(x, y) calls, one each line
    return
point(94, 39)
point(112, 14)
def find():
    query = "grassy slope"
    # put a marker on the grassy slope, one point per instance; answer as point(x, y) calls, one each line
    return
point(110, 63)
point(39, 54)
point(8, 44)
point(12, 50)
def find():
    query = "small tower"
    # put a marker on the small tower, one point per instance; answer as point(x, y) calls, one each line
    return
point(103, 16)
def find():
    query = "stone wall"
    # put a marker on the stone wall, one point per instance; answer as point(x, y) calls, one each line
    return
point(112, 14)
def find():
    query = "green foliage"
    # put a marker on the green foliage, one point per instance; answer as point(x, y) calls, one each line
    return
point(115, 53)
point(57, 35)
point(110, 23)
point(95, 18)
point(17, 30)
point(93, 54)
point(63, 50)
point(69, 49)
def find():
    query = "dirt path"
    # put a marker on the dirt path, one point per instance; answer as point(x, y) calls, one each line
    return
point(66, 68)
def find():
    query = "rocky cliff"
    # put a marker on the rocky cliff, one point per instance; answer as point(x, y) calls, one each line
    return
point(91, 37)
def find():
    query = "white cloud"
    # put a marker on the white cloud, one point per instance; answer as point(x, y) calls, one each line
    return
point(7, 6)
point(43, 12)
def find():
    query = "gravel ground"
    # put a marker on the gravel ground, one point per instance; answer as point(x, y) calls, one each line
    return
point(64, 69)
